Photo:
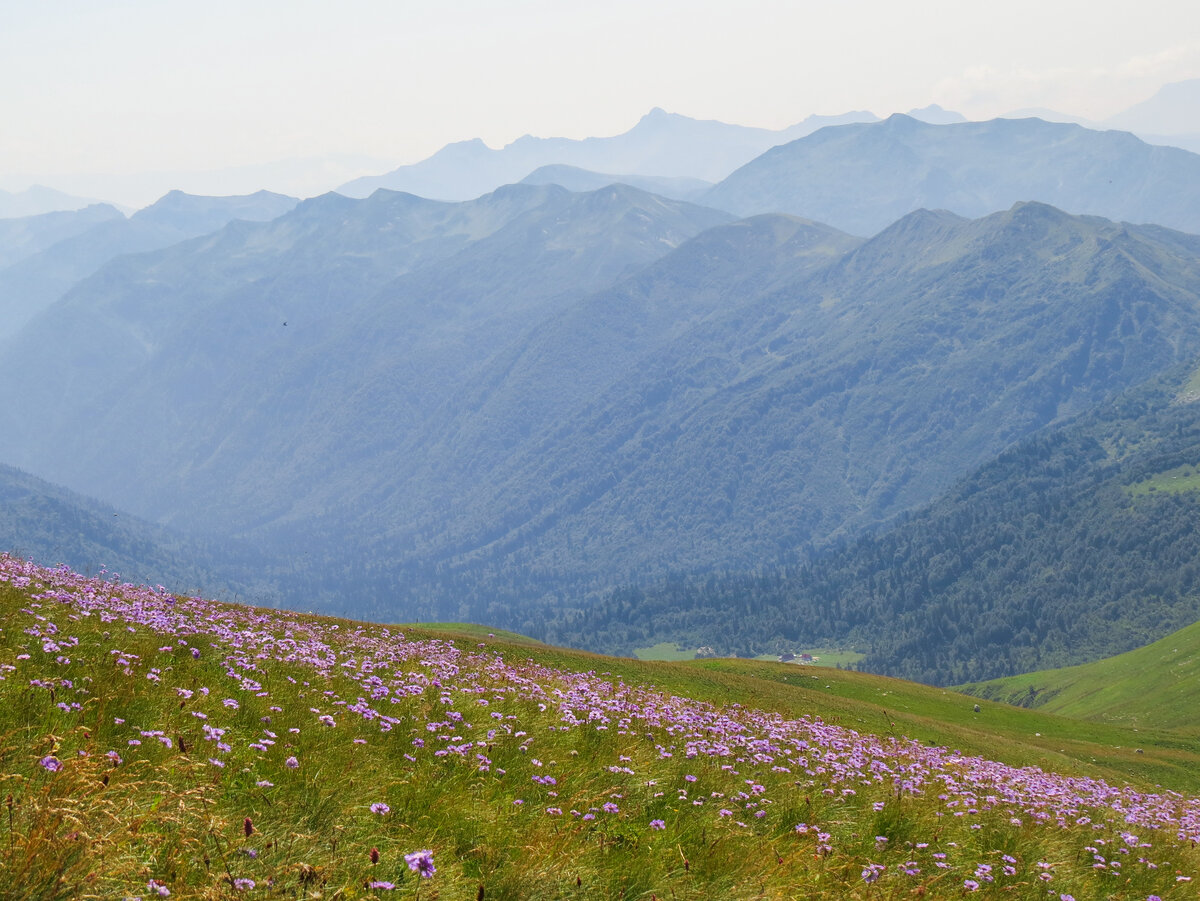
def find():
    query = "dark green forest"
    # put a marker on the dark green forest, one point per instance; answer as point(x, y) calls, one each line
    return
point(1044, 557)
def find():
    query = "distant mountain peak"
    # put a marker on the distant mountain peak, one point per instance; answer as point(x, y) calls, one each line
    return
point(936, 115)
point(864, 177)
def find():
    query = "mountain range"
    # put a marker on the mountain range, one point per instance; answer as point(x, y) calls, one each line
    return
point(862, 177)
point(611, 416)
point(1074, 544)
point(580, 180)
point(24, 236)
point(38, 199)
point(660, 144)
point(548, 391)
point(34, 280)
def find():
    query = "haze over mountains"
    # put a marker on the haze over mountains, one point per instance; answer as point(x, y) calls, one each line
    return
point(660, 144)
point(860, 178)
point(504, 408)
point(38, 199)
point(23, 237)
point(35, 280)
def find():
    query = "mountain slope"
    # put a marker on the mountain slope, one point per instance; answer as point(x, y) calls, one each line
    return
point(860, 178)
point(660, 144)
point(860, 390)
point(31, 285)
point(1150, 687)
point(262, 358)
point(575, 179)
point(42, 521)
point(1057, 552)
point(759, 389)
point(38, 199)
point(1174, 109)
point(542, 394)
point(384, 758)
point(25, 236)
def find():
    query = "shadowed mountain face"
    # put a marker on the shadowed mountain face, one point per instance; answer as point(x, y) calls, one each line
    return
point(39, 279)
point(440, 403)
point(860, 178)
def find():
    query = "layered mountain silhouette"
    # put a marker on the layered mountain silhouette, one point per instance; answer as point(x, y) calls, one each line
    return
point(1171, 116)
point(23, 237)
point(575, 179)
point(38, 199)
point(35, 281)
point(660, 144)
point(298, 316)
point(862, 177)
point(446, 406)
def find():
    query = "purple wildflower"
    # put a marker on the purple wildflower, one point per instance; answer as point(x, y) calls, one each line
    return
point(52, 763)
point(657, 824)
point(421, 862)
point(380, 808)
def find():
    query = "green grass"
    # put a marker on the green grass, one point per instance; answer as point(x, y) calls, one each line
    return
point(671, 652)
point(1191, 391)
point(1172, 481)
point(665, 650)
point(1154, 687)
point(104, 829)
point(470, 630)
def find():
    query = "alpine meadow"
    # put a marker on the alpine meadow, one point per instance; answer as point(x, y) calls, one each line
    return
point(702, 511)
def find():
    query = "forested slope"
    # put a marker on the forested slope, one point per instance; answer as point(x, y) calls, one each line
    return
point(1080, 542)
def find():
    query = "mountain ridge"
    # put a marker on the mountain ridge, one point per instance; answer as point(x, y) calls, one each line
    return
point(862, 177)
point(660, 144)
point(32, 284)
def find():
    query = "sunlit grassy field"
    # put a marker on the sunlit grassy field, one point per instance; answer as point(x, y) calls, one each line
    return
point(155, 746)
point(1147, 688)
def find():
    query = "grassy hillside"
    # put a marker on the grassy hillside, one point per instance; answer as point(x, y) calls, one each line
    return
point(153, 745)
point(1154, 686)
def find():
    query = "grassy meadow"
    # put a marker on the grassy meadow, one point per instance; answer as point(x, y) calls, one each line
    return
point(159, 746)
point(1155, 686)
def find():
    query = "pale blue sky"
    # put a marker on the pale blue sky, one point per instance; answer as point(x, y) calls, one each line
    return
point(94, 86)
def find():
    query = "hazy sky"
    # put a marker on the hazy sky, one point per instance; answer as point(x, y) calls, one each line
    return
point(96, 86)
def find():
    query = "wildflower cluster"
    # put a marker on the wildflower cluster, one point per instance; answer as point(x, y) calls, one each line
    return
point(437, 744)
